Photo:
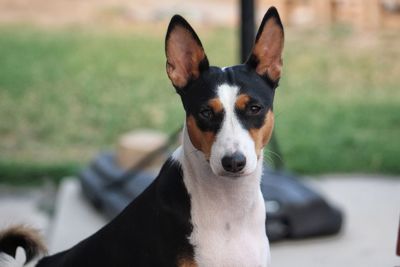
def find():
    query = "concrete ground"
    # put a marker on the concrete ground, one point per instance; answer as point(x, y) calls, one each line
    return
point(372, 208)
point(371, 205)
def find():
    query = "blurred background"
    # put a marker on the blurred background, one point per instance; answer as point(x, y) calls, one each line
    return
point(76, 74)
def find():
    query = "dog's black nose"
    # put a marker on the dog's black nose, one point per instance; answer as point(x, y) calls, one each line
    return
point(234, 162)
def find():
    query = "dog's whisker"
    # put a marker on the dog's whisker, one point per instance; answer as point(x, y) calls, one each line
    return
point(268, 160)
point(269, 157)
point(270, 152)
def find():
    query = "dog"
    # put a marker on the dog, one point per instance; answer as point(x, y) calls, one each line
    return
point(205, 207)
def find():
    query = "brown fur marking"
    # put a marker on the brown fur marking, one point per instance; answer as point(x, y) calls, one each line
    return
point(241, 101)
point(202, 141)
point(183, 56)
point(261, 136)
point(216, 105)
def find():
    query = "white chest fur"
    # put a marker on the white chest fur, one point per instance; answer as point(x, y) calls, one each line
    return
point(224, 237)
point(228, 214)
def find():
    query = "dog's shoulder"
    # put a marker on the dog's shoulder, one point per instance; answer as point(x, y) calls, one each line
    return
point(151, 231)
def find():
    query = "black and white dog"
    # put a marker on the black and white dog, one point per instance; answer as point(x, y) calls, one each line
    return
point(205, 208)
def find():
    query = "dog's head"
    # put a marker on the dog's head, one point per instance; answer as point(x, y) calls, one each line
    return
point(228, 110)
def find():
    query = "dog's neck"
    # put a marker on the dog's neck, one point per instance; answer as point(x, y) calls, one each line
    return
point(236, 194)
point(224, 211)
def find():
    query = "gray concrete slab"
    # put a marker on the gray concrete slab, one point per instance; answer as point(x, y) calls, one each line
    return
point(27, 206)
point(372, 207)
point(75, 219)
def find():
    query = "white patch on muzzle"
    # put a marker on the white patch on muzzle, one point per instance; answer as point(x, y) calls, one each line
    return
point(232, 136)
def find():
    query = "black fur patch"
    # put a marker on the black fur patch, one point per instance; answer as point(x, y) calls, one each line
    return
point(151, 231)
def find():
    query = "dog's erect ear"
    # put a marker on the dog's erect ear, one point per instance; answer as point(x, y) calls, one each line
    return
point(266, 57)
point(186, 58)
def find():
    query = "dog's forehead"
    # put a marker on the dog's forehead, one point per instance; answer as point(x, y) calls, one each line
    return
point(239, 78)
point(248, 82)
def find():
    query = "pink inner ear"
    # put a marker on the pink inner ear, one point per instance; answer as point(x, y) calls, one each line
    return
point(184, 55)
point(268, 50)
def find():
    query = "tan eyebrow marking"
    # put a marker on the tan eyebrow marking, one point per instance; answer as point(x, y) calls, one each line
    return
point(241, 101)
point(216, 105)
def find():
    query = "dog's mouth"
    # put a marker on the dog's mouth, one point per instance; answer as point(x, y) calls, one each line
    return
point(231, 175)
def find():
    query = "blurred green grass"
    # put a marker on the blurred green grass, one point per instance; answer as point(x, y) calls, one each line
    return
point(66, 94)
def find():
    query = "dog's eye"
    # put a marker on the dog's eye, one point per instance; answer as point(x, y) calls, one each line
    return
point(206, 113)
point(254, 109)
